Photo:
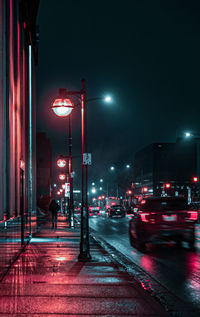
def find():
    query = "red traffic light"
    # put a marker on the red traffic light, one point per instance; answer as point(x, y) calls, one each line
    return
point(195, 179)
point(129, 192)
point(62, 177)
point(167, 185)
point(145, 189)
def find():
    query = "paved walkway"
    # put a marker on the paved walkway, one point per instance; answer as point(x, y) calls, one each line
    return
point(48, 280)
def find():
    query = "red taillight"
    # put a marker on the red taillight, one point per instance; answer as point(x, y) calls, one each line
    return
point(144, 217)
point(98, 208)
point(90, 208)
point(192, 215)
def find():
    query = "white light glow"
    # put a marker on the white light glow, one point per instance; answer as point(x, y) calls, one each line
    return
point(187, 134)
point(108, 99)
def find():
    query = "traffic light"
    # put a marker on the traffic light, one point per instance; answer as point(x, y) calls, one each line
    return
point(195, 179)
point(144, 189)
point(167, 185)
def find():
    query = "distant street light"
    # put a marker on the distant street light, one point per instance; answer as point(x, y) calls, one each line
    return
point(61, 162)
point(101, 180)
point(108, 99)
point(188, 134)
point(62, 177)
point(127, 166)
point(112, 168)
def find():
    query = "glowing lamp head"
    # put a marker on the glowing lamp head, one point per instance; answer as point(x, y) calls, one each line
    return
point(187, 134)
point(195, 179)
point(62, 107)
point(108, 99)
point(62, 177)
point(61, 163)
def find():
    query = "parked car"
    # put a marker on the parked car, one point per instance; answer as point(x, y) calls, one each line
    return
point(163, 218)
point(116, 210)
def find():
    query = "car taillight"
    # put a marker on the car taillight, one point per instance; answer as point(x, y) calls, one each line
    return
point(90, 208)
point(192, 215)
point(144, 217)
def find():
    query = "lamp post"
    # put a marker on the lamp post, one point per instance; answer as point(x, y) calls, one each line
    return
point(63, 108)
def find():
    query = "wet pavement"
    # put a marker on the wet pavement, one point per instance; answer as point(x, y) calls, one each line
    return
point(48, 280)
point(176, 269)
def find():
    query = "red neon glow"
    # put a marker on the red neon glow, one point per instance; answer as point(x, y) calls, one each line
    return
point(107, 206)
point(129, 192)
point(195, 179)
point(99, 198)
point(112, 204)
point(58, 193)
point(62, 107)
point(143, 201)
point(167, 185)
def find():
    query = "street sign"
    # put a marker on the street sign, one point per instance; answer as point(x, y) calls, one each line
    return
point(67, 189)
point(87, 158)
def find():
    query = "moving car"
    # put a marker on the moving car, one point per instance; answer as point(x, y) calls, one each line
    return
point(94, 210)
point(116, 210)
point(163, 218)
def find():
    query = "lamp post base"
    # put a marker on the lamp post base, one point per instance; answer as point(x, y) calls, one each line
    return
point(84, 256)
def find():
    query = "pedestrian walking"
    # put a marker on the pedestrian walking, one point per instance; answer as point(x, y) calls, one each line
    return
point(54, 208)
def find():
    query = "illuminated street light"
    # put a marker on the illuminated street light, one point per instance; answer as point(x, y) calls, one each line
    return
point(108, 99)
point(127, 166)
point(93, 184)
point(112, 168)
point(188, 134)
point(61, 162)
point(62, 177)
point(93, 190)
point(100, 188)
point(101, 180)
point(62, 107)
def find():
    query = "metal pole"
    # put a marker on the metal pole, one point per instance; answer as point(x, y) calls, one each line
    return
point(84, 243)
point(71, 200)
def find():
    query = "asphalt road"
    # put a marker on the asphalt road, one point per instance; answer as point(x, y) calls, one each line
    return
point(178, 269)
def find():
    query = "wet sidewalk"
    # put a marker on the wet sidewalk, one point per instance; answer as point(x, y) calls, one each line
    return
point(48, 280)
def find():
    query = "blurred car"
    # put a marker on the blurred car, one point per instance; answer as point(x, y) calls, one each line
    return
point(116, 210)
point(94, 210)
point(163, 218)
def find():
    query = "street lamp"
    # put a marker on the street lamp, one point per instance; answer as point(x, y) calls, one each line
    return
point(66, 108)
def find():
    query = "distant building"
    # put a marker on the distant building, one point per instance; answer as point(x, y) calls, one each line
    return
point(44, 165)
point(18, 60)
point(174, 164)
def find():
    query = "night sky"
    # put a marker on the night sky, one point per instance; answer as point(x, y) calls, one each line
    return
point(146, 54)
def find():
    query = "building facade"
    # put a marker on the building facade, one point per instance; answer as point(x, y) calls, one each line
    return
point(175, 164)
point(18, 60)
point(44, 169)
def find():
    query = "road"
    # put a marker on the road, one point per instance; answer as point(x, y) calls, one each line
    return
point(178, 269)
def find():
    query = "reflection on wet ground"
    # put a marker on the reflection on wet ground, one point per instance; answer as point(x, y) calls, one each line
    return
point(178, 269)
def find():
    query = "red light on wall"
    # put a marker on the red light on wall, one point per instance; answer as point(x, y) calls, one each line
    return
point(112, 204)
point(167, 185)
point(195, 179)
point(145, 189)
point(129, 192)
point(99, 198)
